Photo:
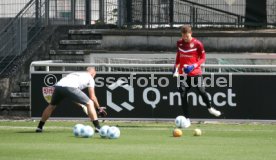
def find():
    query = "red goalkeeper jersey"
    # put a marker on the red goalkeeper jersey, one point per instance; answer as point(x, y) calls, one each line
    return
point(189, 53)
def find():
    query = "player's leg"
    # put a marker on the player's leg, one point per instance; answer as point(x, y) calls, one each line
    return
point(201, 89)
point(47, 112)
point(56, 98)
point(93, 115)
point(83, 107)
point(183, 93)
point(184, 89)
point(45, 116)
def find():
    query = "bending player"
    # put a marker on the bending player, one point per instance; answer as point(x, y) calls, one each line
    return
point(71, 86)
point(190, 55)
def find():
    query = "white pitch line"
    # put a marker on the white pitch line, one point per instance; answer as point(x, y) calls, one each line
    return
point(25, 127)
point(147, 128)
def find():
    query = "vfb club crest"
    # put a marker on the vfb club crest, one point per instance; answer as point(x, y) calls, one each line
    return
point(47, 93)
point(49, 81)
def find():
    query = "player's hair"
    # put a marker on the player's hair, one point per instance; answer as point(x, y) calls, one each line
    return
point(186, 29)
point(91, 71)
point(90, 68)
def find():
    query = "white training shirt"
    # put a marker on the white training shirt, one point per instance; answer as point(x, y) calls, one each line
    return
point(79, 80)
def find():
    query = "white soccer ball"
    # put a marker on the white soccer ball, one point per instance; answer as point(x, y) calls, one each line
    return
point(103, 131)
point(113, 132)
point(181, 122)
point(87, 131)
point(78, 128)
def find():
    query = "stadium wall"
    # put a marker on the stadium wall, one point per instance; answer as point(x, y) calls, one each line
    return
point(230, 41)
point(234, 41)
point(219, 41)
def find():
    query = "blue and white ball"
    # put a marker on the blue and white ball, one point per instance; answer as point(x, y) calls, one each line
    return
point(181, 122)
point(78, 128)
point(103, 131)
point(113, 132)
point(87, 131)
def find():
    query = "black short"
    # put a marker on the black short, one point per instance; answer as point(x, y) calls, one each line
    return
point(74, 94)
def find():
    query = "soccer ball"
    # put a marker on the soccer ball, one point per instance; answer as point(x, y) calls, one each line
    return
point(78, 128)
point(103, 131)
point(87, 131)
point(113, 132)
point(81, 130)
point(181, 122)
point(197, 132)
point(177, 132)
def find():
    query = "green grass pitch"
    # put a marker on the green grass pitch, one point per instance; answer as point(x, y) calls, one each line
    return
point(138, 141)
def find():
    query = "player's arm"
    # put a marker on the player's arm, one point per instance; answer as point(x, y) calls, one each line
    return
point(201, 53)
point(177, 64)
point(100, 110)
point(93, 97)
point(201, 60)
point(177, 58)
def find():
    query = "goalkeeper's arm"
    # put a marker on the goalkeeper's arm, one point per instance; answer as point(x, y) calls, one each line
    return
point(175, 71)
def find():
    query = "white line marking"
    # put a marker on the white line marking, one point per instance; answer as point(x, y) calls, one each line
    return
point(146, 128)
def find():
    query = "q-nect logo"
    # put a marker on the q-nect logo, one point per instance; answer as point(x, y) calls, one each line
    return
point(125, 105)
point(153, 96)
point(219, 99)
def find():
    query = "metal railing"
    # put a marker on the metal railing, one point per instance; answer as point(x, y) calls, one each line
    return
point(20, 31)
point(172, 13)
point(60, 67)
point(83, 12)
point(205, 15)
point(153, 13)
point(147, 13)
point(9, 9)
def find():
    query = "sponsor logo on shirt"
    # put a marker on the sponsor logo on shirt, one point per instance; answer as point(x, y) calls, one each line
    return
point(185, 55)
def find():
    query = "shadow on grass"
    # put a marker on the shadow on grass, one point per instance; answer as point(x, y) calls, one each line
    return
point(44, 132)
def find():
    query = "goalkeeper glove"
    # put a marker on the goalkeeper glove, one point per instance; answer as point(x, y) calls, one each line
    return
point(189, 68)
point(101, 112)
